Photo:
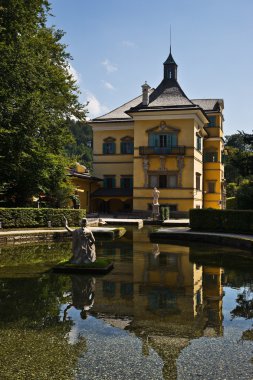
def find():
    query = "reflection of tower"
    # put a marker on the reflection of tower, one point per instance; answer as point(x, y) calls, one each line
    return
point(213, 294)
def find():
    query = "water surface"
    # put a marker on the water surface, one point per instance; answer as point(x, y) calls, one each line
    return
point(166, 311)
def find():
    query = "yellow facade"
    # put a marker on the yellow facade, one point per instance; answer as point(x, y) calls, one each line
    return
point(160, 139)
point(84, 184)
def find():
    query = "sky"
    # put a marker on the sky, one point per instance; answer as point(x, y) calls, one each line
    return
point(117, 45)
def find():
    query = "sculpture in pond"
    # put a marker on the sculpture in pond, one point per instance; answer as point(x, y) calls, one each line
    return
point(83, 244)
point(83, 294)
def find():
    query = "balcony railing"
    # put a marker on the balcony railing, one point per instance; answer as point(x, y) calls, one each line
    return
point(146, 150)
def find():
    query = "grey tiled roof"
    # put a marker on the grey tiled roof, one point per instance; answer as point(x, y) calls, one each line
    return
point(168, 94)
point(207, 104)
point(119, 113)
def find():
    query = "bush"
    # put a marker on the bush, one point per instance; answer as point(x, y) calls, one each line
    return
point(164, 212)
point(231, 189)
point(245, 195)
point(231, 203)
point(39, 217)
point(238, 221)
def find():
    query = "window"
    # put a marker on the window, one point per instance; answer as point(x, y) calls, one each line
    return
point(109, 147)
point(162, 140)
point(198, 181)
point(199, 143)
point(212, 121)
point(163, 180)
point(127, 147)
point(126, 182)
point(211, 187)
point(211, 157)
point(109, 182)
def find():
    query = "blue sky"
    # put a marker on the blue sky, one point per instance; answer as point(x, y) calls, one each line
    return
point(117, 45)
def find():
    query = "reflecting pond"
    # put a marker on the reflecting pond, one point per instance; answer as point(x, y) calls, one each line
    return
point(166, 311)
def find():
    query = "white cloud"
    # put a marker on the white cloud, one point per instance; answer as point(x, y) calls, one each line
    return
point(110, 67)
point(95, 108)
point(108, 85)
point(128, 44)
point(75, 74)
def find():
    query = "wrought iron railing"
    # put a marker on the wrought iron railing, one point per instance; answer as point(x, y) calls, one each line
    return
point(146, 150)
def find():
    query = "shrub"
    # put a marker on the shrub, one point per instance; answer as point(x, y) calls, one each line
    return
point(231, 203)
point(238, 221)
point(164, 212)
point(32, 217)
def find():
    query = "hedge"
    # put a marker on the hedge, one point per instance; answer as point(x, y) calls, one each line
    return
point(238, 221)
point(39, 217)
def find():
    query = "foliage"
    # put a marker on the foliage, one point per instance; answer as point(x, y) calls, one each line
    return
point(38, 96)
point(245, 195)
point(239, 163)
point(244, 307)
point(221, 220)
point(239, 167)
point(38, 217)
point(164, 211)
point(231, 203)
point(79, 150)
point(231, 189)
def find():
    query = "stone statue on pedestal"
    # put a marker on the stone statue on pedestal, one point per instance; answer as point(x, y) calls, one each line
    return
point(155, 210)
point(83, 244)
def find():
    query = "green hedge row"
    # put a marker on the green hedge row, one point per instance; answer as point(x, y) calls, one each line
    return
point(39, 217)
point(238, 221)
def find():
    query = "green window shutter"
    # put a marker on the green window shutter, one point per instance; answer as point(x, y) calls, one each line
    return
point(113, 182)
point(131, 147)
point(151, 138)
point(122, 147)
point(122, 182)
point(131, 182)
point(173, 139)
point(113, 148)
point(104, 148)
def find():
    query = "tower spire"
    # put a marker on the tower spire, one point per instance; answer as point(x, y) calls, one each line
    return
point(170, 38)
point(170, 66)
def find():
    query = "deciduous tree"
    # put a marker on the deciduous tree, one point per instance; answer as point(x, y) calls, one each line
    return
point(38, 96)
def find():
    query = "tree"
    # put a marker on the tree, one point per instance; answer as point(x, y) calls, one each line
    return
point(38, 97)
point(239, 164)
point(79, 150)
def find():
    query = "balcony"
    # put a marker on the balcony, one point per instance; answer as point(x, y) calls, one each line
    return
point(155, 150)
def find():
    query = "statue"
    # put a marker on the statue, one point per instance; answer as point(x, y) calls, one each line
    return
point(155, 210)
point(83, 294)
point(156, 194)
point(83, 244)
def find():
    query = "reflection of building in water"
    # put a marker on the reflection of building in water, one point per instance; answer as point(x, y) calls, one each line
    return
point(213, 294)
point(169, 299)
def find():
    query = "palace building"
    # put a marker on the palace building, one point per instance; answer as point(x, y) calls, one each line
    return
point(160, 139)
